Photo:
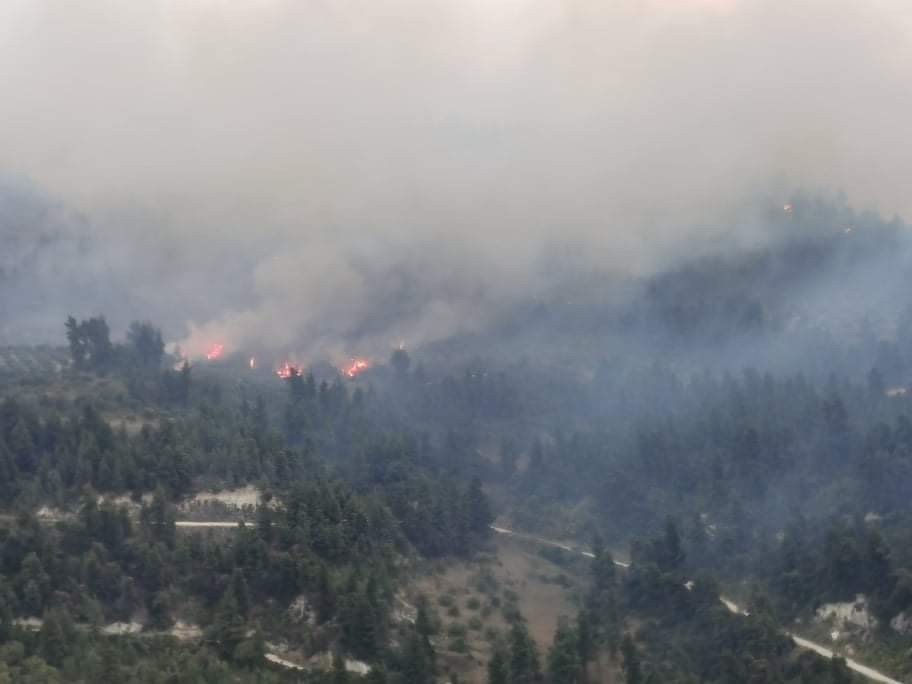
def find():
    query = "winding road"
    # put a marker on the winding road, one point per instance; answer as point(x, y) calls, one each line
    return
point(853, 665)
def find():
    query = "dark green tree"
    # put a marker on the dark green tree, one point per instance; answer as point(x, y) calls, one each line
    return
point(672, 556)
point(498, 666)
point(400, 362)
point(524, 664)
point(326, 596)
point(631, 656)
point(563, 658)
point(145, 345)
point(78, 345)
point(418, 660)
point(478, 508)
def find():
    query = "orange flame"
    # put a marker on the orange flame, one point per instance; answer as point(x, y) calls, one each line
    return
point(356, 366)
point(215, 351)
point(287, 370)
point(252, 363)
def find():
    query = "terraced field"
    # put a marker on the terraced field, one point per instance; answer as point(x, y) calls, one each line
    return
point(19, 361)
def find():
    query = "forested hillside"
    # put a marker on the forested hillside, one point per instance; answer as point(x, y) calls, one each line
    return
point(793, 486)
point(123, 549)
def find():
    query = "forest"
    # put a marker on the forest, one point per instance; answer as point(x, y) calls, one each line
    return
point(681, 465)
point(786, 488)
point(455, 342)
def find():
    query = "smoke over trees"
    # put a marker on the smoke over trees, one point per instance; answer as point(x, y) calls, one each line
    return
point(447, 289)
point(417, 172)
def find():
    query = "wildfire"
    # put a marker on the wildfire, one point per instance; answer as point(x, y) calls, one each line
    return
point(287, 370)
point(787, 208)
point(215, 351)
point(252, 363)
point(356, 366)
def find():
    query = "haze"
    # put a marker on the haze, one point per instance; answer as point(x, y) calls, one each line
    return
point(241, 170)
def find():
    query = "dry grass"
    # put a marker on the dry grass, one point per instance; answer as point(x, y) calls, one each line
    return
point(480, 595)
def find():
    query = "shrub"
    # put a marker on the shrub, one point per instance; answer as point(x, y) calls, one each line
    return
point(456, 629)
point(459, 645)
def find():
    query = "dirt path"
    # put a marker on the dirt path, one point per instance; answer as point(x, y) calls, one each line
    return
point(279, 660)
point(853, 665)
point(550, 542)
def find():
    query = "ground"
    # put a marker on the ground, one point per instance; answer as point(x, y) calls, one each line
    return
point(472, 600)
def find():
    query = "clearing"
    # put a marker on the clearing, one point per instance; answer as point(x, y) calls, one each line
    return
point(473, 602)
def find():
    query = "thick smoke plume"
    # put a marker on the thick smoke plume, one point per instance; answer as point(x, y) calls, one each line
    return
point(333, 177)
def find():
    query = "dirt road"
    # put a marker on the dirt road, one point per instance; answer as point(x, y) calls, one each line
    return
point(853, 665)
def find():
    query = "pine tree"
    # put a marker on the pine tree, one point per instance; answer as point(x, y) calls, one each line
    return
point(631, 660)
point(260, 420)
point(563, 658)
point(524, 667)
point(95, 338)
point(673, 551)
point(76, 340)
point(498, 667)
point(56, 632)
point(326, 596)
point(228, 628)
point(241, 592)
point(479, 508)
point(424, 623)
point(22, 446)
point(585, 646)
point(146, 345)
point(604, 571)
point(185, 381)
point(418, 660)
point(400, 362)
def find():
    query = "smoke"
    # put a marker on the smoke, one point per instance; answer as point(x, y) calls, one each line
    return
point(335, 176)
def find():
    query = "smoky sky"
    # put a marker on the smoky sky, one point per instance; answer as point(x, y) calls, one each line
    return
point(330, 175)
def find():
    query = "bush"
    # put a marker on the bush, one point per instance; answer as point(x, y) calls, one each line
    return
point(555, 555)
point(486, 583)
point(456, 629)
point(511, 613)
point(459, 645)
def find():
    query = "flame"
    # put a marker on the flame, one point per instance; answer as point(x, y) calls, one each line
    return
point(215, 351)
point(252, 363)
point(787, 208)
point(356, 366)
point(287, 370)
